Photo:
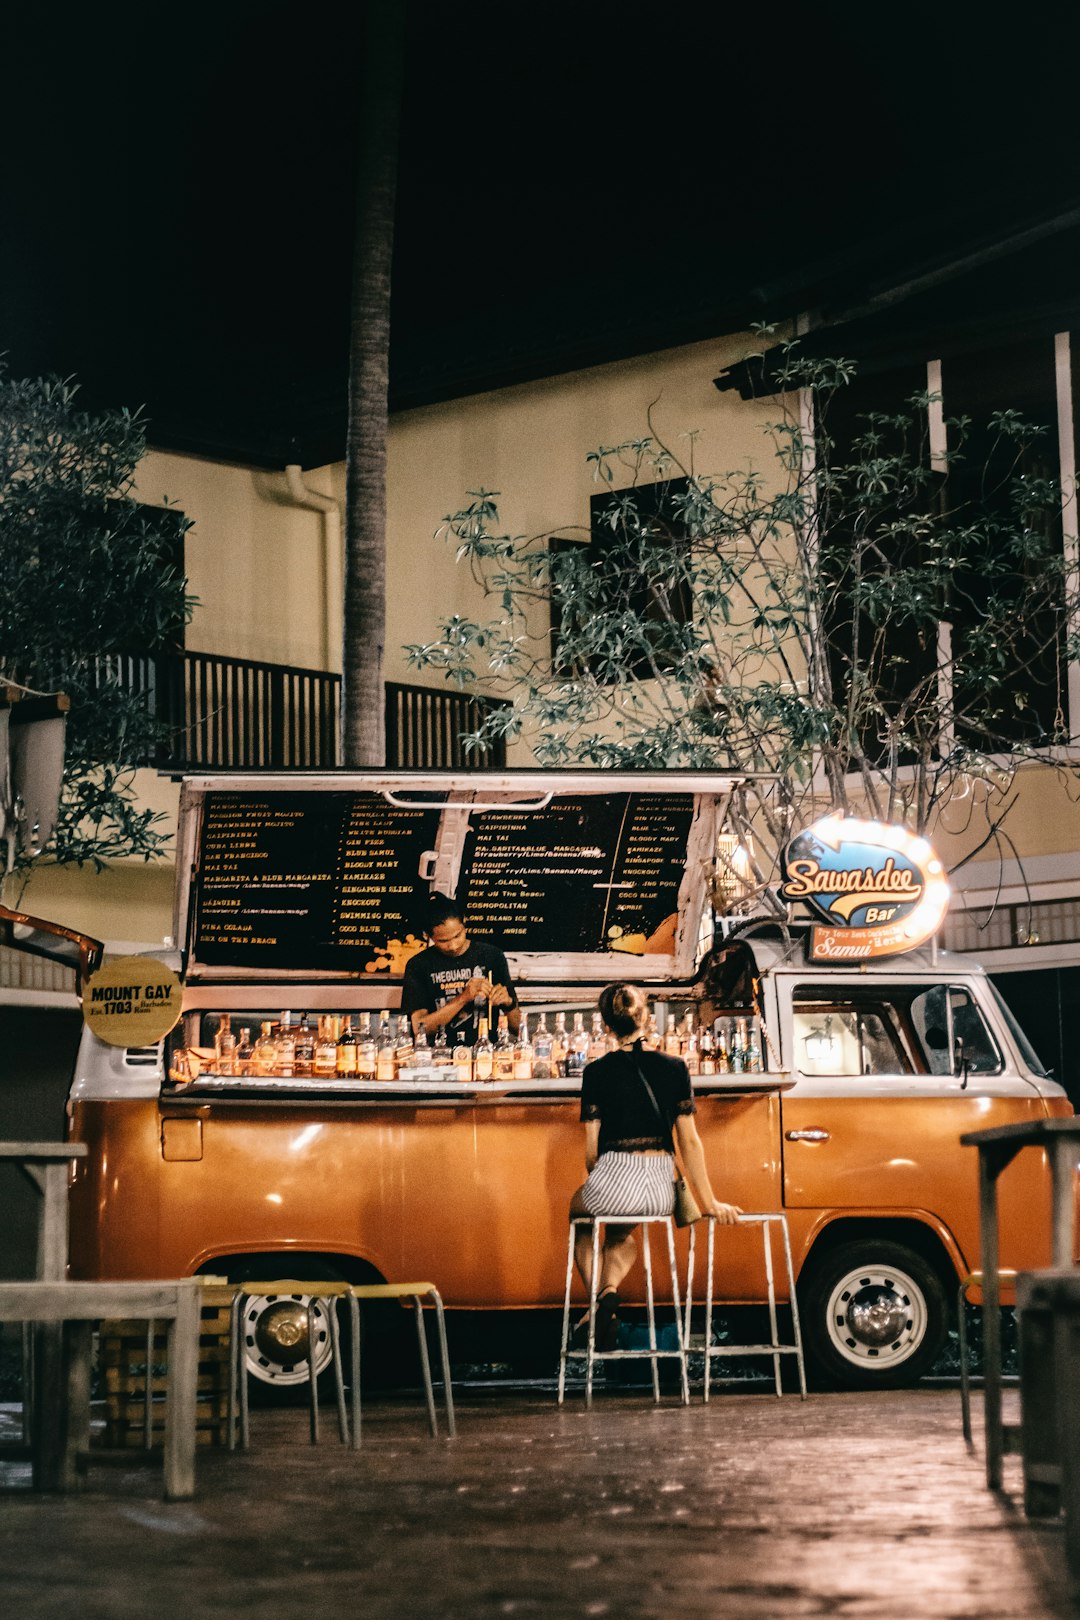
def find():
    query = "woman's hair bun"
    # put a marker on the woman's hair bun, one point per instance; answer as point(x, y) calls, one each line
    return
point(623, 1008)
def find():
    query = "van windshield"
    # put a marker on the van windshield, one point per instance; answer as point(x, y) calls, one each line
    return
point(1031, 1058)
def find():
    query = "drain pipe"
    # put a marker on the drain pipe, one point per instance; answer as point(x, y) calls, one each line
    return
point(309, 500)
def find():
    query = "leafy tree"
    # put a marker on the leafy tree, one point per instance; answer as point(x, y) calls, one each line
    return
point(885, 631)
point(87, 574)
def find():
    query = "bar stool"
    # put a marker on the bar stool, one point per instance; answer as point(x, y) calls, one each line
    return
point(972, 1280)
point(766, 1220)
point(417, 1292)
point(653, 1353)
point(302, 1294)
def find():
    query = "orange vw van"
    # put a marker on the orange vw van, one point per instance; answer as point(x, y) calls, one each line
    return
point(303, 893)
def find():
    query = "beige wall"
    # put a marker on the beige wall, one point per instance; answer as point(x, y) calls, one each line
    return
point(259, 566)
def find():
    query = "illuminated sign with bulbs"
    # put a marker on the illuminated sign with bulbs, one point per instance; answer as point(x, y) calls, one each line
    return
point(878, 890)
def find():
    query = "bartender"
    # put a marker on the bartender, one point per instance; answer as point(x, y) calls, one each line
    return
point(457, 980)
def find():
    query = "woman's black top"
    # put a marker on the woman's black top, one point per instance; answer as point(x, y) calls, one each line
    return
point(612, 1092)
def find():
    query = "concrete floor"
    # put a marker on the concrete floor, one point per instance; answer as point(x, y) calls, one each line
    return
point(851, 1505)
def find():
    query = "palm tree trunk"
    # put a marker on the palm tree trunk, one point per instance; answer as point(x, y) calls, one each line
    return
point(363, 733)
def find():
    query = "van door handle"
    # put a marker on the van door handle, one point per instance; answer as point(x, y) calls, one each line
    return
point(808, 1136)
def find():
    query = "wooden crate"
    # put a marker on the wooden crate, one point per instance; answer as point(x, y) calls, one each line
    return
point(122, 1353)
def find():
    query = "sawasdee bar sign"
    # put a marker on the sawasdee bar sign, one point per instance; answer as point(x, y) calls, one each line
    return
point(879, 890)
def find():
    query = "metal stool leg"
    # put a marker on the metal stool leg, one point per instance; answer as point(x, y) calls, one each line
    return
point(650, 1305)
point(313, 1378)
point(339, 1376)
point(796, 1326)
point(684, 1378)
point(594, 1283)
point(354, 1356)
point(770, 1284)
point(710, 1254)
point(965, 1375)
point(566, 1313)
point(444, 1352)
point(425, 1365)
point(687, 1318)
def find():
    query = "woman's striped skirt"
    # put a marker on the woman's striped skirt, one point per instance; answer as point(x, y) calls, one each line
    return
point(631, 1184)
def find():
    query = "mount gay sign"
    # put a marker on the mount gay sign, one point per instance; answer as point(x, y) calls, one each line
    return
point(879, 890)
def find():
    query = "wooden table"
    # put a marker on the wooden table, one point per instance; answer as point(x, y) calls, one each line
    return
point(62, 1433)
point(998, 1147)
point(47, 1164)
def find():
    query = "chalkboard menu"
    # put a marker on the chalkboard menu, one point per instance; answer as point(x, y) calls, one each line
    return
point(310, 880)
point(597, 872)
point(332, 881)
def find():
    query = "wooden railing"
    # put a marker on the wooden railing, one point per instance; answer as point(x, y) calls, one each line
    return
point(240, 714)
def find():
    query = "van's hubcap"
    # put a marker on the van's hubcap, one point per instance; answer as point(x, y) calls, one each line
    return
point(275, 1329)
point(877, 1316)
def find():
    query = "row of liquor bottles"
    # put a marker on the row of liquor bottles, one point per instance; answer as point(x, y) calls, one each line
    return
point(357, 1048)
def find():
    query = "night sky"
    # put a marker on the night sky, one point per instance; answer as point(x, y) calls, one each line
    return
point(576, 181)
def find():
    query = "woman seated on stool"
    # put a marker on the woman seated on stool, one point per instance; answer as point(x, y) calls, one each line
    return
point(629, 1149)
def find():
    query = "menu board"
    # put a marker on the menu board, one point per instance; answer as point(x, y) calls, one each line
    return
point(334, 881)
point(311, 880)
point(595, 872)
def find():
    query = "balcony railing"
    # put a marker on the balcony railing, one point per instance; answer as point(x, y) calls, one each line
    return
point(240, 714)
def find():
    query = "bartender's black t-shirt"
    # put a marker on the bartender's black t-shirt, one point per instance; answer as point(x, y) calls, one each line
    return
point(432, 978)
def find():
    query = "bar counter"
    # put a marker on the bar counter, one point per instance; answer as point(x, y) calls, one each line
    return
point(268, 1091)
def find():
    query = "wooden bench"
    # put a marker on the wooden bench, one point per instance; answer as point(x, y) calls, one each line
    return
point(62, 1428)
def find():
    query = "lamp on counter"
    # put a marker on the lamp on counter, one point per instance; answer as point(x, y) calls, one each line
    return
point(821, 1044)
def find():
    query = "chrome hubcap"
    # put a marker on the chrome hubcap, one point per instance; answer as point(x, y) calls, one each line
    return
point(275, 1333)
point(876, 1315)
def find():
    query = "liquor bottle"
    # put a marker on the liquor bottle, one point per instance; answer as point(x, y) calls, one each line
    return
point(651, 1037)
point(264, 1054)
point(405, 1047)
point(737, 1054)
point(523, 1052)
point(483, 1053)
point(560, 1047)
point(543, 1050)
point(366, 1049)
point(347, 1053)
point(692, 1055)
point(753, 1054)
point(441, 1055)
point(671, 1036)
point(502, 1058)
point(286, 1047)
point(384, 1057)
point(242, 1056)
point(707, 1047)
point(421, 1051)
point(598, 1043)
point(723, 1056)
point(225, 1047)
point(578, 1054)
point(304, 1051)
point(463, 1059)
point(325, 1059)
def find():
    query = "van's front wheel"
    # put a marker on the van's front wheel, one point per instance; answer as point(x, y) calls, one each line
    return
point(874, 1315)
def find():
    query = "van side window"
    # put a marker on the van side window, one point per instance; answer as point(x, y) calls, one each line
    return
point(847, 1034)
point(891, 1029)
